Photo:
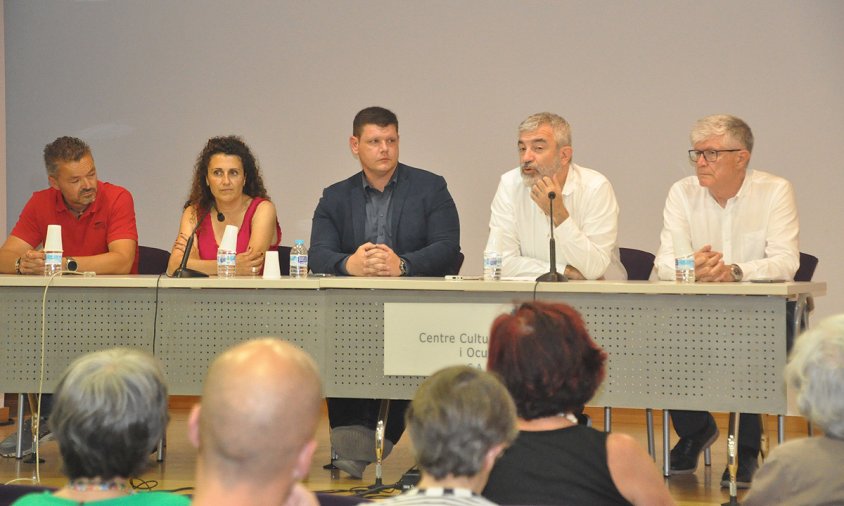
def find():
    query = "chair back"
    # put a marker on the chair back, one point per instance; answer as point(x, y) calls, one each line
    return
point(455, 269)
point(152, 260)
point(284, 259)
point(808, 263)
point(637, 263)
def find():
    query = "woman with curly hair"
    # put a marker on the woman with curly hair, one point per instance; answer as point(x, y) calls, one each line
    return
point(227, 189)
point(551, 366)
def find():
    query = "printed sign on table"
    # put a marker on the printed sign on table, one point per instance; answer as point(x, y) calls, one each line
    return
point(420, 339)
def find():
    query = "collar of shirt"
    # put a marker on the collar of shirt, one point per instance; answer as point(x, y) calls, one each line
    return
point(572, 179)
point(93, 207)
point(365, 182)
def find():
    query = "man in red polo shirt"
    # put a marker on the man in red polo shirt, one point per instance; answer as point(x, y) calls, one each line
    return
point(98, 234)
point(97, 219)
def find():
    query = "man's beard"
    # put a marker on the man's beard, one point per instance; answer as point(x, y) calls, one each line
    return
point(541, 171)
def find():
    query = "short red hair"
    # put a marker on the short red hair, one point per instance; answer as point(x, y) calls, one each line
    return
point(546, 358)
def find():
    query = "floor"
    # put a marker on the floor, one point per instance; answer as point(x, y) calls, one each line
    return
point(701, 488)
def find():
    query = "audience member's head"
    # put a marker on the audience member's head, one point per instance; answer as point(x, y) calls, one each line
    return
point(255, 426)
point(545, 357)
point(816, 371)
point(109, 412)
point(460, 419)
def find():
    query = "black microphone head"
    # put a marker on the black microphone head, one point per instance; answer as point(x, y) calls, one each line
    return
point(220, 216)
point(552, 195)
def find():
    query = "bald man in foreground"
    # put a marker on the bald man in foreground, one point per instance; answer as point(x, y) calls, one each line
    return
point(266, 387)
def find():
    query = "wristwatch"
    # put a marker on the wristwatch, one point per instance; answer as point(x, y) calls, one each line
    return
point(736, 271)
point(18, 266)
point(402, 267)
point(71, 264)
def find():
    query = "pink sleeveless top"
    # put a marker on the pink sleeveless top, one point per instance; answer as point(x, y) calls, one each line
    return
point(207, 243)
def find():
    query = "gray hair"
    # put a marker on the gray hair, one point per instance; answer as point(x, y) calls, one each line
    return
point(456, 417)
point(723, 124)
point(64, 149)
point(110, 410)
point(561, 127)
point(816, 370)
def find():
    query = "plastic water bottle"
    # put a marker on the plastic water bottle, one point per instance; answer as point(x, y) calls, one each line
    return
point(226, 263)
point(52, 262)
point(492, 265)
point(685, 269)
point(299, 260)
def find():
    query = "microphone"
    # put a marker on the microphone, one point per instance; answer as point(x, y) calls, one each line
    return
point(220, 216)
point(183, 271)
point(552, 276)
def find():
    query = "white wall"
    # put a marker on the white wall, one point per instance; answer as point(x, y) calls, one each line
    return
point(146, 82)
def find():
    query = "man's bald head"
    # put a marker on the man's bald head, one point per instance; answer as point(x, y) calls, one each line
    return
point(260, 406)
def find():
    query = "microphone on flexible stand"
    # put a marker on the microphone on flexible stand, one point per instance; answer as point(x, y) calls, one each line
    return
point(552, 276)
point(183, 271)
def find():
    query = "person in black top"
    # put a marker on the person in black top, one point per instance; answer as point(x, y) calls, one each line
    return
point(551, 367)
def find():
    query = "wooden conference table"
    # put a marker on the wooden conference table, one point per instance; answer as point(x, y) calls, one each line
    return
point(710, 346)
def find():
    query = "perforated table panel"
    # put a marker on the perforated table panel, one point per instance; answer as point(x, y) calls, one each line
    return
point(79, 320)
point(197, 325)
point(671, 346)
point(663, 351)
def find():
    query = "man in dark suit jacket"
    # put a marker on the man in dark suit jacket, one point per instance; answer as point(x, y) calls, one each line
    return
point(389, 220)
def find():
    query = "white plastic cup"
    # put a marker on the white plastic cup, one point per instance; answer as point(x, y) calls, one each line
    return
point(271, 268)
point(54, 238)
point(229, 242)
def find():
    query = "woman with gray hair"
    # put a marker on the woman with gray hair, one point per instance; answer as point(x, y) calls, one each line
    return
point(808, 470)
point(109, 412)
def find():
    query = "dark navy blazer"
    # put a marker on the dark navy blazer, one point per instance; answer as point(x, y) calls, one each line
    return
point(424, 224)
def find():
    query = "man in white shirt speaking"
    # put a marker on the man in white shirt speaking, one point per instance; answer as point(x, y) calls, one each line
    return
point(585, 218)
point(741, 224)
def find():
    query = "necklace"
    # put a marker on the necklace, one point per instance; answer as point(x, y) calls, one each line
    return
point(88, 485)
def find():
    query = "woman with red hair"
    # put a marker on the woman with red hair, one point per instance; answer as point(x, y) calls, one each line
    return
point(552, 367)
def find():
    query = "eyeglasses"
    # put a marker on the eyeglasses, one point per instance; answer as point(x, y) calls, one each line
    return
point(710, 155)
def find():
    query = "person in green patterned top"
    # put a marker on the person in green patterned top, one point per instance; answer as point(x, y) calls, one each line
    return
point(109, 412)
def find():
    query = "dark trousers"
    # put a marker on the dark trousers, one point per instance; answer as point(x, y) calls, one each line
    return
point(689, 423)
point(345, 412)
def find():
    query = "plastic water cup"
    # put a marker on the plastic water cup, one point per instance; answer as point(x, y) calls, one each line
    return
point(271, 268)
point(54, 238)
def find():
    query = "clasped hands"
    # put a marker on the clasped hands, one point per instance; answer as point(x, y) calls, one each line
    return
point(32, 262)
point(373, 260)
point(709, 266)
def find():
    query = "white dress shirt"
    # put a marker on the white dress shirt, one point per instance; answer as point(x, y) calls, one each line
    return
point(757, 229)
point(586, 240)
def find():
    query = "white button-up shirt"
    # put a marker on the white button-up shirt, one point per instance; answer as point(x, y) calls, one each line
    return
point(757, 229)
point(587, 240)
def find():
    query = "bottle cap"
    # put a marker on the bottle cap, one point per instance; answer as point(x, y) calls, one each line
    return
point(229, 242)
point(299, 242)
point(54, 238)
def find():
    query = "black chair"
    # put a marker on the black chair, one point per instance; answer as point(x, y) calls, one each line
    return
point(455, 269)
point(152, 260)
point(637, 263)
point(284, 259)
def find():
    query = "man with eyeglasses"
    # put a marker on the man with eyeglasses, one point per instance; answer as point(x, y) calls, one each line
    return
point(742, 225)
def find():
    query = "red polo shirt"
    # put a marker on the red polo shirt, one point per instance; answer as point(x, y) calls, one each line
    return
point(109, 218)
